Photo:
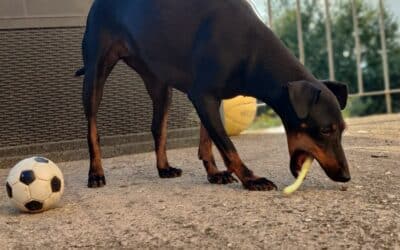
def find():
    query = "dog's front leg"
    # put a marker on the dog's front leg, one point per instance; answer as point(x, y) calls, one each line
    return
point(207, 107)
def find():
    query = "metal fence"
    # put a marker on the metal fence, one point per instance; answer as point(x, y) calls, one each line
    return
point(387, 91)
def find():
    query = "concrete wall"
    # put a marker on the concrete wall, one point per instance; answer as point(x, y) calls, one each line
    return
point(40, 100)
point(16, 14)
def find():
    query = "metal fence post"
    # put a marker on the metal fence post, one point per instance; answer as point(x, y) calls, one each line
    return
point(269, 11)
point(357, 47)
point(300, 32)
point(329, 41)
point(384, 57)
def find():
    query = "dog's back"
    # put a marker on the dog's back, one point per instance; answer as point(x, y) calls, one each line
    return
point(164, 34)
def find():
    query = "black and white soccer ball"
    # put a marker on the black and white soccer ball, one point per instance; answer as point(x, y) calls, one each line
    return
point(35, 184)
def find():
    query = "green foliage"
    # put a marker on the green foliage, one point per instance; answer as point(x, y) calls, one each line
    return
point(267, 119)
point(367, 105)
point(396, 103)
point(313, 21)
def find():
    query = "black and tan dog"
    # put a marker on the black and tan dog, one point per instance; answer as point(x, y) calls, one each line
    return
point(210, 50)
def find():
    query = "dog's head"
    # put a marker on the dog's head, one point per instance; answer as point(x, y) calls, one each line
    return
point(319, 132)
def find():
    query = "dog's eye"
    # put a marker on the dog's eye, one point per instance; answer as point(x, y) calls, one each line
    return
point(326, 131)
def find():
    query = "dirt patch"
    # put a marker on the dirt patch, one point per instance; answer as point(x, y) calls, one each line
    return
point(138, 210)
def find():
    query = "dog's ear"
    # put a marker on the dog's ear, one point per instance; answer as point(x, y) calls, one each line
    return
point(302, 95)
point(339, 90)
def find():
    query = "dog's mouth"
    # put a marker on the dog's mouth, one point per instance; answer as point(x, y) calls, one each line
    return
point(296, 161)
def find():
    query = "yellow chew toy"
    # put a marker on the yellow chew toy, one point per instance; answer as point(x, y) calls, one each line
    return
point(303, 172)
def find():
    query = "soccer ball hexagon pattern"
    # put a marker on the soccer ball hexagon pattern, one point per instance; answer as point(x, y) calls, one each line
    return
point(35, 184)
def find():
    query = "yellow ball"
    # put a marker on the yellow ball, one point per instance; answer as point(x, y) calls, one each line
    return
point(238, 113)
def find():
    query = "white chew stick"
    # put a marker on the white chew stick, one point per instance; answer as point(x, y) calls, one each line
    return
point(303, 172)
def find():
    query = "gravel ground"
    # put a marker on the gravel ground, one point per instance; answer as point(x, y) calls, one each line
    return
point(138, 210)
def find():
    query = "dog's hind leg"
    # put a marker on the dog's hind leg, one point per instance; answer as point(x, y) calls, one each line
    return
point(92, 94)
point(161, 97)
point(206, 155)
point(97, 69)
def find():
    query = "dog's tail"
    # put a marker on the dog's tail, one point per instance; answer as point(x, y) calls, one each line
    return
point(80, 72)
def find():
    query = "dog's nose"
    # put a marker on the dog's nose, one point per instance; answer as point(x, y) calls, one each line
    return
point(344, 174)
point(343, 178)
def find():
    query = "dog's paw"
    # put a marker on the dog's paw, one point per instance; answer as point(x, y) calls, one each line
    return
point(169, 172)
point(96, 181)
point(223, 177)
point(259, 184)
